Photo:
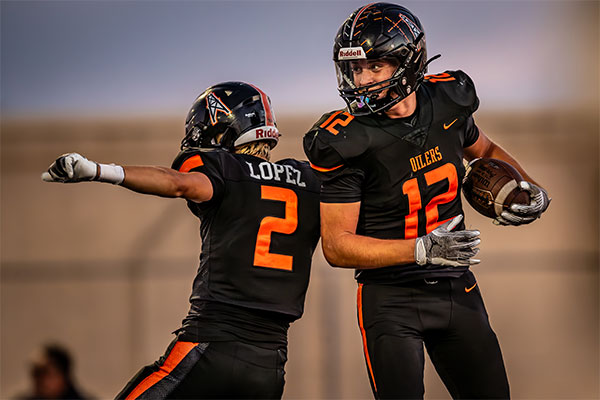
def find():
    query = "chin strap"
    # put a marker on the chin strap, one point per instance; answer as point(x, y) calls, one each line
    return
point(430, 60)
point(413, 47)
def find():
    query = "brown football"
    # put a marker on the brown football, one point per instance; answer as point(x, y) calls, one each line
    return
point(491, 186)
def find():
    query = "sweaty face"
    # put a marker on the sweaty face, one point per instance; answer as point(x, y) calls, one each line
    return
point(369, 72)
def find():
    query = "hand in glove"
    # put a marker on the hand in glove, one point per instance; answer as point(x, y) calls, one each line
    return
point(74, 167)
point(444, 247)
point(519, 214)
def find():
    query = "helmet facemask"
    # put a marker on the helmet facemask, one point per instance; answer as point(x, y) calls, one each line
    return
point(382, 95)
point(380, 31)
point(203, 136)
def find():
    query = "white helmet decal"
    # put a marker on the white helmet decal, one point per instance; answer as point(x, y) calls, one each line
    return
point(215, 105)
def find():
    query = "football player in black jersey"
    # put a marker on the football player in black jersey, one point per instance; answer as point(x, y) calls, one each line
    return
point(259, 223)
point(391, 167)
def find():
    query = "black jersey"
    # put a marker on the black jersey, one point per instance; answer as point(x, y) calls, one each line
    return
point(407, 173)
point(259, 231)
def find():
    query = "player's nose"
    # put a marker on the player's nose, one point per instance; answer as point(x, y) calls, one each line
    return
point(366, 78)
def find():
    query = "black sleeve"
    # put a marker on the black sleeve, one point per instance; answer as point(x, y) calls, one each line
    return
point(344, 188)
point(324, 159)
point(209, 163)
point(471, 132)
point(462, 91)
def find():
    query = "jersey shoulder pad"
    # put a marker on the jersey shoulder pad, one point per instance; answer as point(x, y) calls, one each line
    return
point(197, 159)
point(455, 87)
point(335, 141)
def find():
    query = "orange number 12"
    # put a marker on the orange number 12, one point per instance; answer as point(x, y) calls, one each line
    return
point(411, 189)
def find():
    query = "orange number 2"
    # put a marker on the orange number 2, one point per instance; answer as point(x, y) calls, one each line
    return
point(411, 189)
point(287, 225)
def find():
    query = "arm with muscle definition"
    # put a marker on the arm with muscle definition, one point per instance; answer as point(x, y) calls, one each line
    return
point(154, 180)
point(343, 248)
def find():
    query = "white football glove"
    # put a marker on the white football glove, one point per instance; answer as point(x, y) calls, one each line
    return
point(444, 247)
point(520, 214)
point(74, 167)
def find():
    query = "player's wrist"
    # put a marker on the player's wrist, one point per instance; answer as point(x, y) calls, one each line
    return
point(420, 251)
point(110, 173)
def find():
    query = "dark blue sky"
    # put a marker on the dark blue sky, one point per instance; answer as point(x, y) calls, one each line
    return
point(93, 57)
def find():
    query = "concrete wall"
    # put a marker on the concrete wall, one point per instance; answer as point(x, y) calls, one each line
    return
point(108, 272)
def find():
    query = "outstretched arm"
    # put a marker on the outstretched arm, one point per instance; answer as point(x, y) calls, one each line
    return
point(167, 182)
point(155, 180)
point(343, 248)
point(518, 214)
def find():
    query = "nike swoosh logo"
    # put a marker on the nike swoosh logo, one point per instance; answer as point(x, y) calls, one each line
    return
point(471, 288)
point(450, 124)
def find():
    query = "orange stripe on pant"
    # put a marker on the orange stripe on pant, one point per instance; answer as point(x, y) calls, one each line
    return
point(178, 353)
point(363, 333)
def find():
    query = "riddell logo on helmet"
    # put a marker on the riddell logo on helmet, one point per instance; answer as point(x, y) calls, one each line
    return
point(267, 133)
point(351, 53)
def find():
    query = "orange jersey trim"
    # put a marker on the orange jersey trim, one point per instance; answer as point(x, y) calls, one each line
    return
point(178, 353)
point(191, 163)
point(313, 166)
point(363, 333)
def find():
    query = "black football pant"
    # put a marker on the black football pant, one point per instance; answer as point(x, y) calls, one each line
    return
point(215, 370)
point(449, 317)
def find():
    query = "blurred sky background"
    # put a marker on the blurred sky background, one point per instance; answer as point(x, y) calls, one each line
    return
point(109, 57)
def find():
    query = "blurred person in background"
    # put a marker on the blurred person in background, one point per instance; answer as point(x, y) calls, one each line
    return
point(259, 224)
point(392, 167)
point(52, 375)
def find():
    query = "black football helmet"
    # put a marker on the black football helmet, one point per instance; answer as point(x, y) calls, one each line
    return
point(380, 31)
point(239, 111)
